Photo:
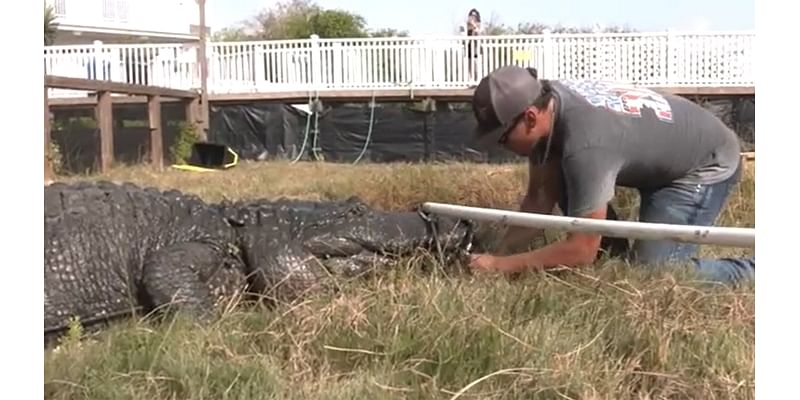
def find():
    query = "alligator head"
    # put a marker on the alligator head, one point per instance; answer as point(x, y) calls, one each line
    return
point(356, 243)
point(291, 246)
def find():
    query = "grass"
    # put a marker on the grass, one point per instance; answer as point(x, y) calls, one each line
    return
point(608, 332)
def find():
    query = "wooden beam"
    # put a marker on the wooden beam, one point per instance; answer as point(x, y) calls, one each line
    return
point(156, 134)
point(81, 102)
point(709, 90)
point(203, 62)
point(299, 96)
point(105, 122)
point(462, 95)
point(94, 85)
point(49, 175)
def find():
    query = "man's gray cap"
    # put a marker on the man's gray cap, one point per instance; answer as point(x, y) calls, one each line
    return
point(500, 98)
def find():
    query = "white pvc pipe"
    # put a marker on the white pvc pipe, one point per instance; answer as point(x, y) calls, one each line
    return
point(720, 236)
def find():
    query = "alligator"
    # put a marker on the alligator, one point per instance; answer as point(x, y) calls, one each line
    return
point(113, 250)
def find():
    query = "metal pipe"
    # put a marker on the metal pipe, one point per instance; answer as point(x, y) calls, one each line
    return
point(720, 236)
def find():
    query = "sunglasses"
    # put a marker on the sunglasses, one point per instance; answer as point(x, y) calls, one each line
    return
point(504, 137)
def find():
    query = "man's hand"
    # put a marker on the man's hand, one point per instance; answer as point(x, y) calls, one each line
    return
point(484, 262)
point(544, 188)
point(577, 250)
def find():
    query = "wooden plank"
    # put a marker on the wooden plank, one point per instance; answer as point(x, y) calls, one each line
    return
point(49, 175)
point(105, 122)
point(465, 94)
point(156, 134)
point(346, 95)
point(298, 96)
point(203, 62)
point(710, 90)
point(79, 102)
point(63, 82)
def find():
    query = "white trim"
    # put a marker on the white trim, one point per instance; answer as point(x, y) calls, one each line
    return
point(130, 32)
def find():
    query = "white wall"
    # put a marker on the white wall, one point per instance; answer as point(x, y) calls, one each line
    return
point(162, 16)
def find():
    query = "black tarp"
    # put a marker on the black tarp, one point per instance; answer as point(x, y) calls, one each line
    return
point(400, 131)
point(258, 130)
point(261, 131)
point(77, 138)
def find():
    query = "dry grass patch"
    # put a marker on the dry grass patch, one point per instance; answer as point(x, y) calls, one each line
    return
point(611, 332)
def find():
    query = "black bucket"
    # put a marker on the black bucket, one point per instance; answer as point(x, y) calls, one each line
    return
point(207, 156)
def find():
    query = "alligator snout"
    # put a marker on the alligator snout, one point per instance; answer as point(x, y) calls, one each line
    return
point(453, 234)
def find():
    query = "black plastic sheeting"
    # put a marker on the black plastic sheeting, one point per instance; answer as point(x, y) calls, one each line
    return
point(400, 132)
point(79, 143)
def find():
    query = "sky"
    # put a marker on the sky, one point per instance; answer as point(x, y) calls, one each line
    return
point(432, 17)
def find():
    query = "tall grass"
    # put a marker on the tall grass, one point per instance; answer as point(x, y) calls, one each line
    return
point(613, 331)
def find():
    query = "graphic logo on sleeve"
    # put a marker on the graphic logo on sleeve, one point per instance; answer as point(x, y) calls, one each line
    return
point(622, 98)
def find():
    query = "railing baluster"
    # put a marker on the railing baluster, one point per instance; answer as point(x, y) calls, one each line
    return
point(656, 59)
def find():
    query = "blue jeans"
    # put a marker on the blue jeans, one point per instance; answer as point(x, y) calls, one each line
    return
point(685, 204)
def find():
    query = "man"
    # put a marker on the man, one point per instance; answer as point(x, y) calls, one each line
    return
point(584, 138)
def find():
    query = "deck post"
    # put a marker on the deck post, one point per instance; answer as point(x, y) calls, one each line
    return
point(156, 133)
point(203, 62)
point(49, 175)
point(105, 123)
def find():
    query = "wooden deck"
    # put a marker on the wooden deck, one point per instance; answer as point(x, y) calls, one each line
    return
point(102, 102)
point(363, 95)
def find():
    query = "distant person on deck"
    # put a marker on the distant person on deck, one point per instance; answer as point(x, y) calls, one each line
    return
point(582, 139)
point(473, 29)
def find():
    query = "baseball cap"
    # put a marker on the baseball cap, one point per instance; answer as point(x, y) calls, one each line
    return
point(500, 97)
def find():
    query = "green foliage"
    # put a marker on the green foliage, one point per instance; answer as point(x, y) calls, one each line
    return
point(230, 34)
point(388, 32)
point(56, 157)
point(336, 24)
point(493, 26)
point(538, 28)
point(182, 148)
point(49, 25)
point(297, 19)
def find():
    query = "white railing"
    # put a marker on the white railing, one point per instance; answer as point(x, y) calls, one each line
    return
point(652, 59)
point(171, 65)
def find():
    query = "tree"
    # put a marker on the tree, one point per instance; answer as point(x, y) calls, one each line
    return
point(388, 33)
point(534, 28)
point(336, 24)
point(493, 27)
point(49, 25)
point(231, 34)
point(297, 19)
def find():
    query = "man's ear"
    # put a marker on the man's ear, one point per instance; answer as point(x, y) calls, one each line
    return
point(531, 114)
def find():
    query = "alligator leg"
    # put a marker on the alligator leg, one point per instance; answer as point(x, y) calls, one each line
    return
point(185, 277)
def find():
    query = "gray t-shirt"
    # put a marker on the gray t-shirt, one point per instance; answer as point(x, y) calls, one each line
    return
point(611, 134)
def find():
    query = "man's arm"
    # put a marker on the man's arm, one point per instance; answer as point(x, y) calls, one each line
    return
point(590, 178)
point(577, 250)
point(544, 188)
